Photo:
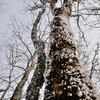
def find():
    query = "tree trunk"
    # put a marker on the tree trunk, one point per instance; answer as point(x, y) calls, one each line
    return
point(38, 78)
point(19, 88)
point(66, 81)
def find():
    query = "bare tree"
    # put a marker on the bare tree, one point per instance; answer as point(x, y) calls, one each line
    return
point(38, 78)
point(65, 78)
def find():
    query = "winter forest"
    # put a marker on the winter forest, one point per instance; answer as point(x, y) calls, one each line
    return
point(49, 50)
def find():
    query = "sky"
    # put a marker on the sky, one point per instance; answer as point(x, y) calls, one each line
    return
point(12, 8)
point(9, 9)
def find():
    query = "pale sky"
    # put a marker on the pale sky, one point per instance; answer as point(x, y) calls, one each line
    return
point(10, 9)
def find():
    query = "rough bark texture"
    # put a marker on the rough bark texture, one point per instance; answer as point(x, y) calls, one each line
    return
point(66, 81)
point(38, 78)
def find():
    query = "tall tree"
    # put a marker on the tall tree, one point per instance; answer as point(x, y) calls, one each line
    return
point(38, 78)
point(66, 81)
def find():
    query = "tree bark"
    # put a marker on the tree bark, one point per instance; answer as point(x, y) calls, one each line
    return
point(66, 81)
point(19, 88)
point(38, 78)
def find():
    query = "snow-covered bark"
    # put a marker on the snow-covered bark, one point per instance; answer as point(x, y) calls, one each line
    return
point(66, 81)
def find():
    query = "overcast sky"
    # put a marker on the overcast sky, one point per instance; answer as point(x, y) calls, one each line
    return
point(9, 9)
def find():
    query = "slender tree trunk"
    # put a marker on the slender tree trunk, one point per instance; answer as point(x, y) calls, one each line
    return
point(38, 78)
point(66, 81)
point(19, 88)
